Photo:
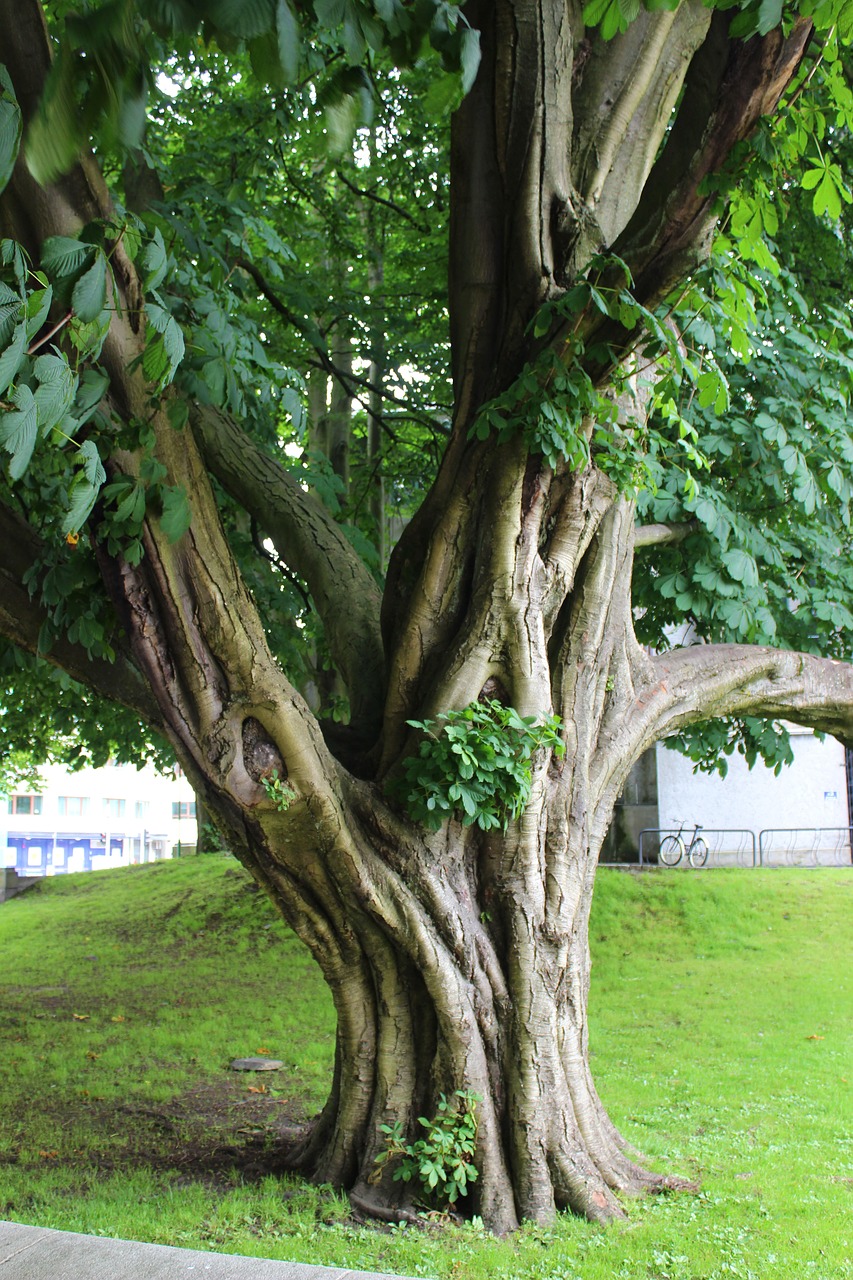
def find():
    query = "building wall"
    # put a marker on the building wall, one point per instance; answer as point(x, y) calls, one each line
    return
point(97, 818)
point(811, 793)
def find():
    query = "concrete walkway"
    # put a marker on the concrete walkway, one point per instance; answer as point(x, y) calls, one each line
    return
point(34, 1253)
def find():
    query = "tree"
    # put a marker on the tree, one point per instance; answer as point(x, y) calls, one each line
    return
point(437, 851)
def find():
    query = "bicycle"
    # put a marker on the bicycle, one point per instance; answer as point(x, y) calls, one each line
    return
point(673, 849)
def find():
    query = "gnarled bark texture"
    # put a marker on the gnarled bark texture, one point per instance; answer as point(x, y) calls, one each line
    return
point(457, 960)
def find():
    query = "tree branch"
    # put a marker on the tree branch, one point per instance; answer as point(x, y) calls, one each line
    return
point(21, 620)
point(324, 361)
point(315, 547)
point(641, 73)
point(658, 535)
point(730, 85)
point(388, 204)
point(705, 682)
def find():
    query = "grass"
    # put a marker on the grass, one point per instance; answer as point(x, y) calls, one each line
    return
point(722, 1043)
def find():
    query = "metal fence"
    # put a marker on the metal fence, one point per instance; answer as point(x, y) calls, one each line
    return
point(727, 847)
point(805, 847)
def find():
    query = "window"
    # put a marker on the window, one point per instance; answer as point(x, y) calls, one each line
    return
point(183, 808)
point(115, 808)
point(25, 804)
point(73, 806)
point(140, 808)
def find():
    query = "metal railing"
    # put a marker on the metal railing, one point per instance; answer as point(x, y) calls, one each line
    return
point(805, 846)
point(727, 847)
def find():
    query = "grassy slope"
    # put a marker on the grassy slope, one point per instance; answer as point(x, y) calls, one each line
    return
point(722, 1043)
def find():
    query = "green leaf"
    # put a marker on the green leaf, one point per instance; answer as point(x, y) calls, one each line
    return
point(89, 296)
point(177, 513)
point(178, 414)
point(93, 387)
point(769, 16)
point(827, 199)
point(19, 430)
point(330, 13)
point(55, 392)
point(741, 567)
point(131, 509)
point(595, 11)
point(9, 313)
point(154, 262)
point(442, 95)
point(59, 131)
point(38, 309)
point(89, 337)
point(811, 178)
point(12, 358)
point(63, 257)
point(289, 43)
point(469, 57)
point(245, 19)
point(92, 466)
point(162, 355)
point(11, 127)
point(83, 496)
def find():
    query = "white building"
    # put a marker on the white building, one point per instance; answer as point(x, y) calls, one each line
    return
point(800, 817)
point(97, 818)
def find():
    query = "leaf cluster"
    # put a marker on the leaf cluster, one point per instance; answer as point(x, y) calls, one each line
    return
point(477, 762)
point(769, 561)
point(278, 791)
point(584, 397)
point(105, 69)
point(754, 17)
point(710, 744)
point(443, 1159)
point(45, 716)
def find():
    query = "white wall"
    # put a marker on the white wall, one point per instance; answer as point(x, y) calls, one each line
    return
point(812, 792)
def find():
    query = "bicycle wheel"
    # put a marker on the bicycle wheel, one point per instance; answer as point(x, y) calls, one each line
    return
point(671, 851)
point(697, 855)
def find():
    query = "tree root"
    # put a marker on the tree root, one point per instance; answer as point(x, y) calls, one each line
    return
point(372, 1207)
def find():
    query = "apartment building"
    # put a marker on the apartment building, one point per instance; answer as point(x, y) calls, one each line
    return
point(95, 818)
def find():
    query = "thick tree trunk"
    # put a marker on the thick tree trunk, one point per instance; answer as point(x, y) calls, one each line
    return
point(460, 961)
point(453, 968)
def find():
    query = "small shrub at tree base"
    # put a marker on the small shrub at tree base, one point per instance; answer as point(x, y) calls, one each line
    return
point(478, 761)
point(442, 1160)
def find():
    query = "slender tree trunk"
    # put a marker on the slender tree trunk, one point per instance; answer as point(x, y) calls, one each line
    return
point(376, 377)
point(339, 417)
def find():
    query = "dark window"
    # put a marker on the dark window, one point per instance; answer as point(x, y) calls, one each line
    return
point(25, 804)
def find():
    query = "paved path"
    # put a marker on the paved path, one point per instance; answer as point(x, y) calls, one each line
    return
point(34, 1253)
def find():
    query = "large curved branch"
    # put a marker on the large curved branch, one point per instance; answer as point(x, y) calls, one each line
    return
point(21, 620)
point(313, 545)
point(704, 682)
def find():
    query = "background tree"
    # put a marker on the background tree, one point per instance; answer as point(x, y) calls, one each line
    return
point(434, 842)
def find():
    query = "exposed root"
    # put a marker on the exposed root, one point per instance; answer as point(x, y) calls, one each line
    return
point(370, 1206)
point(666, 1185)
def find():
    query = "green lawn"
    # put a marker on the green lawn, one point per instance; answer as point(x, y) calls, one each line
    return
point(722, 1038)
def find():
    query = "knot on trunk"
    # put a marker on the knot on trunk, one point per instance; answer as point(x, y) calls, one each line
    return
point(260, 754)
point(494, 691)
